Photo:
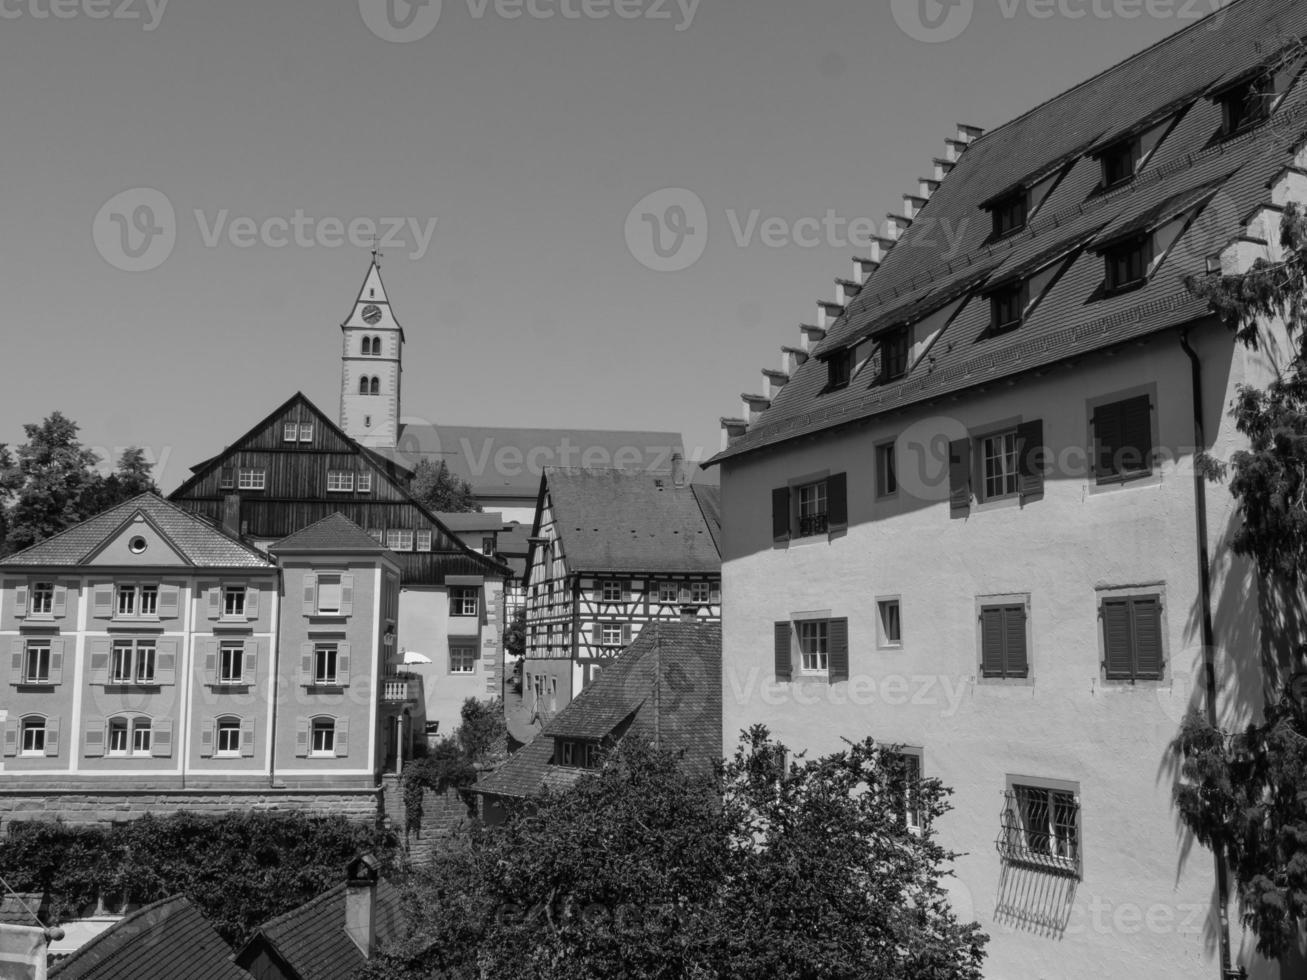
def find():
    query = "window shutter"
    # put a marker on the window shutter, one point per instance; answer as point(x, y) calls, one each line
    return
point(683, 593)
point(780, 514)
point(56, 661)
point(251, 602)
point(342, 738)
point(11, 736)
point(247, 738)
point(627, 594)
point(19, 649)
point(161, 739)
point(837, 500)
point(1107, 438)
point(215, 601)
point(210, 648)
point(100, 662)
point(20, 599)
point(169, 602)
point(52, 736)
point(838, 636)
point(347, 595)
point(784, 653)
point(959, 477)
point(1147, 621)
point(306, 665)
point(342, 664)
point(206, 738)
point(626, 634)
point(1016, 663)
point(310, 594)
point(102, 600)
point(1116, 639)
point(165, 667)
point(715, 596)
point(60, 600)
point(302, 738)
point(250, 673)
point(991, 642)
point(1030, 458)
point(1136, 435)
point(596, 634)
point(93, 743)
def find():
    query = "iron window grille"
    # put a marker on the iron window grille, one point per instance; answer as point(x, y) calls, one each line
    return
point(1040, 828)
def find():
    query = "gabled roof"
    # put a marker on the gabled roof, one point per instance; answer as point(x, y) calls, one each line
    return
point(335, 533)
point(667, 686)
point(196, 541)
point(1224, 179)
point(610, 521)
point(312, 941)
point(508, 463)
point(164, 941)
point(464, 523)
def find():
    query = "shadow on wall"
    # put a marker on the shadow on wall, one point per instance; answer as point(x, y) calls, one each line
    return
point(1033, 901)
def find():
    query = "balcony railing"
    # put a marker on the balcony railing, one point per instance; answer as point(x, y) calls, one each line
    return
point(813, 524)
point(398, 690)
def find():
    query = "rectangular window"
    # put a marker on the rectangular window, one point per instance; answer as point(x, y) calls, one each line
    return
point(998, 458)
point(226, 479)
point(700, 593)
point(610, 634)
point(324, 663)
point(814, 646)
point(887, 476)
point(1127, 264)
point(379, 536)
point(1003, 651)
point(668, 592)
point(252, 479)
point(890, 621)
point(229, 738)
point(149, 597)
point(1132, 638)
point(145, 661)
point(813, 510)
point(339, 481)
point(487, 545)
point(1041, 828)
point(290, 432)
point(839, 370)
point(36, 662)
point(118, 736)
point(126, 600)
point(1007, 307)
point(905, 786)
point(141, 737)
point(424, 540)
point(324, 737)
point(306, 432)
point(34, 736)
point(233, 602)
point(329, 594)
point(41, 602)
point(464, 601)
point(1123, 440)
point(1118, 163)
point(398, 539)
point(894, 354)
point(231, 662)
point(1248, 104)
point(568, 750)
point(365, 483)
point(120, 664)
point(611, 592)
point(462, 660)
point(1010, 213)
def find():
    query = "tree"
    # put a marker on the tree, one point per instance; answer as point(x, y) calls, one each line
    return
point(515, 635)
point(132, 478)
point(439, 490)
point(650, 867)
point(1245, 794)
point(59, 483)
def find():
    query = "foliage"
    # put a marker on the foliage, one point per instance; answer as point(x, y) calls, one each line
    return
point(515, 636)
point(54, 484)
point(484, 729)
point(445, 767)
point(439, 490)
point(650, 867)
point(239, 869)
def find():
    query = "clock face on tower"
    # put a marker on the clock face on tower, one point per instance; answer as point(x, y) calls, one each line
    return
point(372, 315)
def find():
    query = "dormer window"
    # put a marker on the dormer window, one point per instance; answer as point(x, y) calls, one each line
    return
point(1011, 213)
point(1119, 162)
point(1247, 104)
point(840, 368)
point(1008, 306)
point(894, 355)
point(1127, 263)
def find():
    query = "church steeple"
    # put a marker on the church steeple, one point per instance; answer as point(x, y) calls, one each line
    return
point(372, 363)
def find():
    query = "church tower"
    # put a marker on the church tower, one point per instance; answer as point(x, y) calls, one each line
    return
point(372, 363)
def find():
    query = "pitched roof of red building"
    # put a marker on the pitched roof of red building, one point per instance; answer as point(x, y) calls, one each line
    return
point(334, 533)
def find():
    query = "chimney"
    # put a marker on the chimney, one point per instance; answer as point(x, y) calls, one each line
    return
point(678, 470)
point(361, 903)
point(732, 429)
point(231, 514)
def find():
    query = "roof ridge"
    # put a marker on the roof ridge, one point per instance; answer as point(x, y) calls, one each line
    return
point(117, 930)
point(313, 902)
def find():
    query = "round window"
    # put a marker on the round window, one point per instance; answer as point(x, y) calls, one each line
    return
point(137, 545)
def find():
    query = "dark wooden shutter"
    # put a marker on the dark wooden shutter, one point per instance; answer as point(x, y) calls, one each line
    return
point(1016, 661)
point(991, 642)
point(784, 654)
point(838, 637)
point(780, 514)
point(1117, 660)
point(1136, 445)
point(1107, 439)
point(837, 500)
point(1030, 458)
point(959, 477)
point(1146, 618)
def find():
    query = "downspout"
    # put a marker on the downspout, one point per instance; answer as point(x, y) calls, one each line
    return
point(1209, 633)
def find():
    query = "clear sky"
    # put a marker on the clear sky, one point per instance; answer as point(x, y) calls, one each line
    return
point(529, 139)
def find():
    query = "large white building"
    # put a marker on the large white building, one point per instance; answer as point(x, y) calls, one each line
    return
point(965, 517)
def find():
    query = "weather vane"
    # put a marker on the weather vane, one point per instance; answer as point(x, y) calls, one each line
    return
point(376, 251)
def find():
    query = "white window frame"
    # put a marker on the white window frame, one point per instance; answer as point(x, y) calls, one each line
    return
point(29, 726)
point(326, 653)
point(814, 633)
point(248, 478)
point(325, 727)
point(340, 481)
point(700, 593)
point(36, 647)
point(611, 591)
point(669, 593)
point(364, 483)
point(116, 726)
point(290, 432)
point(232, 651)
point(399, 539)
point(138, 745)
point(1007, 476)
point(462, 660)
point(883, 639)
point(230, 601)
point(463, 598)
point(40, 601)
point(610, 634)
point(230, 727)
point(425, 540)
point(306, 432)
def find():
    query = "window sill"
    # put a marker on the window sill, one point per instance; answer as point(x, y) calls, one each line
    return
point(34, 684)
point(1127, 684)
point(1027, 681)
point(235, 687)
point(227, 755)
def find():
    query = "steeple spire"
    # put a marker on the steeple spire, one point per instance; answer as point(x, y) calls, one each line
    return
point(372, 364)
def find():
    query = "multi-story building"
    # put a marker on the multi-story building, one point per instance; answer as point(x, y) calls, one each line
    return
point(157, 663)
point(612, 552)
point(966, 517)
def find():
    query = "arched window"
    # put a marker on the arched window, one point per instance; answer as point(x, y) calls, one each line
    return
point(228, 734)
point(363, 386)
point(323, 737)
point(376, 346)
point(129, 736)
point(33, 737)
point(376, 386)
point(367, 346)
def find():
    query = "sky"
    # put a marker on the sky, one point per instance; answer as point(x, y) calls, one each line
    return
point(190, 188)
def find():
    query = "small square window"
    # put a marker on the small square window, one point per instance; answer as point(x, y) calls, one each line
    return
point(1041, 828)
point(306, 432)
point(700, 593)
point(611, 592)
point(1123, 440)
point(425, 540)
point(611, 634)
point(464, 601)
point(668, 592)
point(462, 660)
point(290, 432)
point(890, 622)
point(887, 475)
point(1132, 638)
point(1128, 263)
point(365, 483)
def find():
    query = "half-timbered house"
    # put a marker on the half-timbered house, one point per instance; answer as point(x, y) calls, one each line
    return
point(610, 553)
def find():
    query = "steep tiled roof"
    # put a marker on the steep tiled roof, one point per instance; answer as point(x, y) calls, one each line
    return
point(197, 541)
point(1225, 179)
point(683, 712)
point(334, 533)
point(618, 522)
point(163, 941)
point(312, 940)
point(509, 462)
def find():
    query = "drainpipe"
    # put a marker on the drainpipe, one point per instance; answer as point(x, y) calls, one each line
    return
point(1209, 635)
